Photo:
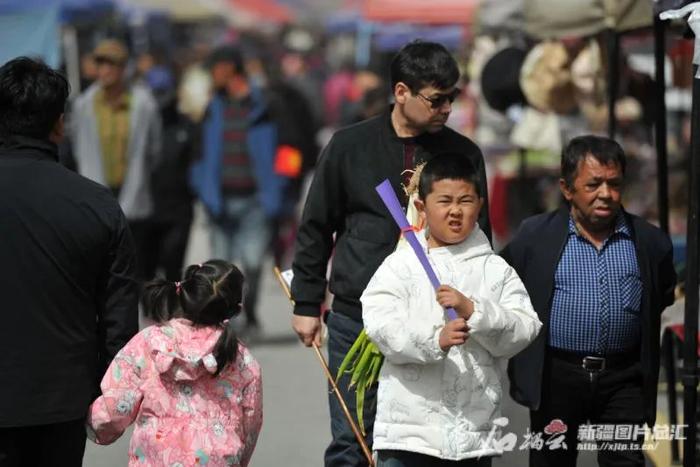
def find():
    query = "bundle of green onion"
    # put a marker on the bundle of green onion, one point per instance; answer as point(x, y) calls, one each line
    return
point(363, 361)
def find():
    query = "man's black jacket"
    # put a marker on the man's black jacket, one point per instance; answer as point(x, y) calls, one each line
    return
point(343, 201)
point(69, 301)
point(535, 252)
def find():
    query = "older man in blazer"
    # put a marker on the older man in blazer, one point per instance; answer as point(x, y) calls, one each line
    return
point(599, 279)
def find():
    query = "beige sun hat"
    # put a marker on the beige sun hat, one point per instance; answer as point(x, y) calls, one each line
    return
point(545, 78)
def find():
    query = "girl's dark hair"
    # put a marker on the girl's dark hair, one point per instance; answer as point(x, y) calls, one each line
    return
point(208, 294)
point(451, 166)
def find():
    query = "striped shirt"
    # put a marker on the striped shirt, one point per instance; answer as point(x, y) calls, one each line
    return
point(597, 294)
point(237, 177)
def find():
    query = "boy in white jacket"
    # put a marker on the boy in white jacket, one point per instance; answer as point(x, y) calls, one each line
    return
point(440, 386)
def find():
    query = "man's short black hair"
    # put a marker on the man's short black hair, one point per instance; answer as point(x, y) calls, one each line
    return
point(227, 54)
point(448, 166)
point(32, 98)
point(419, 64)
point(603, 149)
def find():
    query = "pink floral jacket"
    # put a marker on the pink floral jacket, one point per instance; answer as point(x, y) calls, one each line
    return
point(164, 380)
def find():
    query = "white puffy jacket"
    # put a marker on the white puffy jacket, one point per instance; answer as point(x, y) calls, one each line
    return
point(443, 403)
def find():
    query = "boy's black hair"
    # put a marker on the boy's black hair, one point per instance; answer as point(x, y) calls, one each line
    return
point(419, 64)
point(32, 98)
point(447, 166)
point(603, 149)
point(208, 295)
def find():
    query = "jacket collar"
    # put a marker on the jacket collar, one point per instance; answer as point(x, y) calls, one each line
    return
point(388, 127)
point(25, 146)
point(390, 132)
point(624, 223)
point(476, 244)
point(122, 102)
point(258, 104)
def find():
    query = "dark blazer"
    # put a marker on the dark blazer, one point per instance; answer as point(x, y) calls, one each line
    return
point(69, 300)
point(535, 252)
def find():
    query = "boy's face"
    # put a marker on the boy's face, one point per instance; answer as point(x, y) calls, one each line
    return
point(450, 211)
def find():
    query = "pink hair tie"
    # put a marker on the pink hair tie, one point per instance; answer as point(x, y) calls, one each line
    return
point(409, 228)
point(178, 287)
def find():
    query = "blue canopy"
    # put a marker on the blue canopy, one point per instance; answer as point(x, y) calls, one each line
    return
point(392, 36)
point(343, 22)
point(68, 10)
point(31, 32)
point(32, 27)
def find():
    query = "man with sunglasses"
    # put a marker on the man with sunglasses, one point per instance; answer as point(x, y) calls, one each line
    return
point(116, 138)
point(344, 215)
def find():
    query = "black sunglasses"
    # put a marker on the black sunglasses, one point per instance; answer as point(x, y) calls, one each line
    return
point(438, 101)
point(107, 61)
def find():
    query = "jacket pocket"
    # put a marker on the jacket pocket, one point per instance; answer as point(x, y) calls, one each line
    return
point(631, 293)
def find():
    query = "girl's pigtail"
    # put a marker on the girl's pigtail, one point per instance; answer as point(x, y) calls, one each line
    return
point(160, 300)
point(210, 294)
point(226, 348)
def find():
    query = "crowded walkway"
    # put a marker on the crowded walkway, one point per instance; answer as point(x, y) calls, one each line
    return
point(462, 203)
point(295, 432)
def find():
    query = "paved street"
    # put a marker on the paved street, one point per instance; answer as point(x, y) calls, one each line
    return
point(296, 424)
point(296, 428)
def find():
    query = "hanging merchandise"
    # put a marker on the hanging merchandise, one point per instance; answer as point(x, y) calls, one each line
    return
point(500, 79)
point(545, 78)
point(588, 78)
point(537, 131)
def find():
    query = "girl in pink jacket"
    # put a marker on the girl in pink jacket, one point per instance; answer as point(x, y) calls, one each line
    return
point(194, 391)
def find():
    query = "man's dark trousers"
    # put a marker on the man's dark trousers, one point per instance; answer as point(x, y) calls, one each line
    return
point(344, 450)
point(614, 397)
point(54, 445)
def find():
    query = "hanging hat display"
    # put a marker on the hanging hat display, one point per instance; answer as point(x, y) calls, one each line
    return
point(545, 78)
point(500, 79)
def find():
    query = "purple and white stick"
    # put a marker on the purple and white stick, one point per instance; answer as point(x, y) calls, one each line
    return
point(386, 192)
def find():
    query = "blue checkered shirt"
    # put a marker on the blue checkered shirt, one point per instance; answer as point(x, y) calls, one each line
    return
point(597, 294)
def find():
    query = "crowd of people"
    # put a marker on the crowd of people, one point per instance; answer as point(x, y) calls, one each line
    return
point(571, 305)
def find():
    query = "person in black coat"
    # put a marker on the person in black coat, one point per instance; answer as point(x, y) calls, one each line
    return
point(166, 232)
point(599, 279)
point(69, 300)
